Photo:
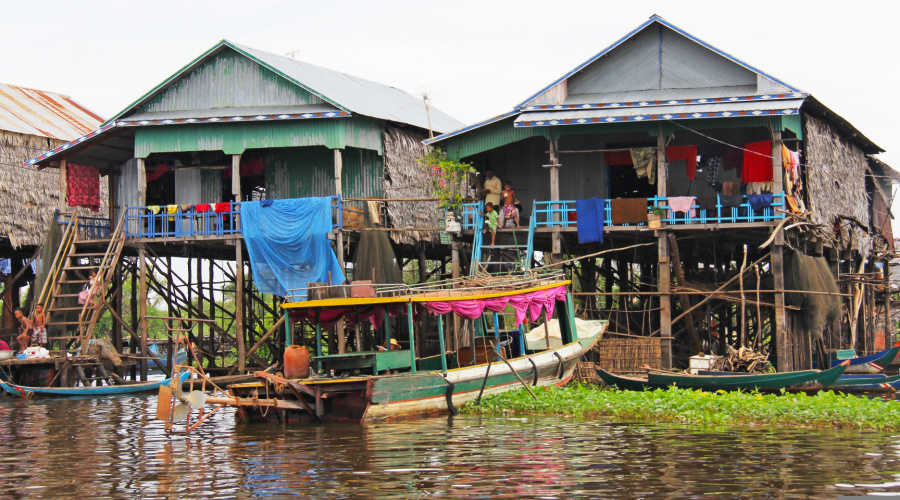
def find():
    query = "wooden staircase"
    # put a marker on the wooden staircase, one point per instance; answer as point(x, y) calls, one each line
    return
point(75, 261)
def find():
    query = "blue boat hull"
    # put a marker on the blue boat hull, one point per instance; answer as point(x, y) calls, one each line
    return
point(108, 390)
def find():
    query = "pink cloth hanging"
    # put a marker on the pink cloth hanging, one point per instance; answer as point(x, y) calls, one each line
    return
point(532, 303)
point(681, 204)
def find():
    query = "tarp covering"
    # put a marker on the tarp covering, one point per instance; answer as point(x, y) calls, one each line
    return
point(532, 303)
point(288, 244)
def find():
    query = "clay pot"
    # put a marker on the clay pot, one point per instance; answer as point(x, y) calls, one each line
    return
point(296, 362)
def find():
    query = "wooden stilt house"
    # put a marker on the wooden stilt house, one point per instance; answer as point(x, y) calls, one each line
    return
point(742, 167)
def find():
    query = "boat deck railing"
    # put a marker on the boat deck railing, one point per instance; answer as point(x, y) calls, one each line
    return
point(467, 285)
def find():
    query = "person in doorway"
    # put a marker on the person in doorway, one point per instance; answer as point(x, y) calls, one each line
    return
point(40, 326)
point(509, 212)
point(492, 188)
point(491, 221)
point(25, 330)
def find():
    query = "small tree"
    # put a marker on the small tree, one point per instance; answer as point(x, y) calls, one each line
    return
point(446, 178)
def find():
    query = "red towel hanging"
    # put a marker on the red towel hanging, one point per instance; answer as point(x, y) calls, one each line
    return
point(686, 153)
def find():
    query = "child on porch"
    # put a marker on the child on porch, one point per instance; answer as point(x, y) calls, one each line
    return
point(509, 206)
point(491, 221)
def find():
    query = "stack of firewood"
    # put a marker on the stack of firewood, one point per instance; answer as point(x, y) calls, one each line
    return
point(742, 360)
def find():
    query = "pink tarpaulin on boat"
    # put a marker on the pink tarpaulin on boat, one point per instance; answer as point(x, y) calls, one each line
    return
point(532, 303)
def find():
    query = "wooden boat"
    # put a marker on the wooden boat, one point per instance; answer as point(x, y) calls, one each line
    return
point(382, 384)
point(802, 380)
point(162, 355)
point(105, 390)
point(865, 383)
point(871, 364)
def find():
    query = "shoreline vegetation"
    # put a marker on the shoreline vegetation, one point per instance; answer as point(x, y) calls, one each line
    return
point(824, 409)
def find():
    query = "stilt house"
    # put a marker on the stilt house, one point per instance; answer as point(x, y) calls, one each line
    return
point(745, 171)
point(237, 124)
point(31, 122)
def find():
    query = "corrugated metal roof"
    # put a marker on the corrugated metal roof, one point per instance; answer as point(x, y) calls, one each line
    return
point(654, 20)
point(648, 113)
point(347, 92)
point(228, 112)
point(46, 114)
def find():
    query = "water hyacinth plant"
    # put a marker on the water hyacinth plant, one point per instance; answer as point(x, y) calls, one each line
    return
point(446, 178)
point(824, 409)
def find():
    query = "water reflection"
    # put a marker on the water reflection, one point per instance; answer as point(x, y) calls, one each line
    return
point(111, 448)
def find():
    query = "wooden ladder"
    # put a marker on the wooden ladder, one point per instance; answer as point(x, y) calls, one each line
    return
point(93, 308)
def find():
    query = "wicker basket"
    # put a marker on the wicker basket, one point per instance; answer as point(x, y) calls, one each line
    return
point(626, 356)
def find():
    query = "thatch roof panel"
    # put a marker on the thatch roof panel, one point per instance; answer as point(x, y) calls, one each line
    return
point(405, 178)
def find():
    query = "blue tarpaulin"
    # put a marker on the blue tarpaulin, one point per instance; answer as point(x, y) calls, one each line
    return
point(288, 244)
point(591, 214)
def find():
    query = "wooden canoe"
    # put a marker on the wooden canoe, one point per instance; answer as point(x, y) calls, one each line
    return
point(802, 380)
point(866, 383)
point(105, 390)
point(871, 364)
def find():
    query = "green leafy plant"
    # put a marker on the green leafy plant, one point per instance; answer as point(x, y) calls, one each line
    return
point(656, 211)
point(446, 178)
point(824, 409)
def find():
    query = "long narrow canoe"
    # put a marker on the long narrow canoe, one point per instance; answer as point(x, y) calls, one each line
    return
point(106, 390)
point(807, 379)
point(866, 383)
point(871, 364)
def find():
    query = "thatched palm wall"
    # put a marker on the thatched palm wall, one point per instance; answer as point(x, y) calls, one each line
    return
point(837, 184)
point(405, 178)
point(28, 196)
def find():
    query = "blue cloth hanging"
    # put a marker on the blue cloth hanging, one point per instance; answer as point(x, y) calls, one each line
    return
point(288, 244)
point(267, 203)
point(591, 214)
point(758, 201)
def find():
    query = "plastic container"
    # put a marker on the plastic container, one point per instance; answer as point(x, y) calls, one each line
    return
point(296, 362)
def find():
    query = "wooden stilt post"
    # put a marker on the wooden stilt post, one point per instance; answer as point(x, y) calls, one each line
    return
point(685, 299)
point(201, 326)
point(142, 304)
point(664, 279)
point(782, 342)
point(62, 186)
point(412, 336)
point(556, 247)
point(238, 270)
point(888, 326)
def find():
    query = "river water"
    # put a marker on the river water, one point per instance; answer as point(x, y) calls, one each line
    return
point(112, 448)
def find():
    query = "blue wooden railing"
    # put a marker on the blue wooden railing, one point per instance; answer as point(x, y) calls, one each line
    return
point(89, 228)
point(188, 222)
point(544, 212)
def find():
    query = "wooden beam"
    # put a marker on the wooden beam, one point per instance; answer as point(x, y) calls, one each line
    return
point(62, 185)
point(684, 298)
point(142, 304)
point(268, 334)
point(664, 283)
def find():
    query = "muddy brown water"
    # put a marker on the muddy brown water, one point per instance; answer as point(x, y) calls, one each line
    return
point(112, 448)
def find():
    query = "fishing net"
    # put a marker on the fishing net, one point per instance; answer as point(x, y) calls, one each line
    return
point(374, 258)
point(817, 311)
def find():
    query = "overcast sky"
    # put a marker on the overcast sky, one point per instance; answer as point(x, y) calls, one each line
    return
point(475, 58)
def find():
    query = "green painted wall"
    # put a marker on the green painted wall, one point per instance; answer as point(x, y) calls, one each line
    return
point(229, 80)
point(309, 171)
point(235, 138)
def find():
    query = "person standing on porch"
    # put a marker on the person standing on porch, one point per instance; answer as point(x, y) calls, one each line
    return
point(492, 188)
point(40, 326)
point(510, 212)
point(24, 337)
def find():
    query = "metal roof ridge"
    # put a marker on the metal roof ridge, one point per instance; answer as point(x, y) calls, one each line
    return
point(473, 126)
point(654, 19)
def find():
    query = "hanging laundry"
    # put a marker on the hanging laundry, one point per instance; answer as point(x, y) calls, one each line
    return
point(757, 162)
point(792, 204)
point(708, 203)
point(732, 158)
point(267, 203)
point(760, 187)
point(681, 204)
point(644, 160)
point(686, 153)
point(710, 165)
point(731, 188)
point(157, 172)
point(153, 209)
point(202, 207)
point(628, 210)
point(732, 200)
point(186, 208)
point(758, 201)
point(172, 210)
point(249, 167)
point(614, 158)
point(83, 186)
point(590, 220)
point(222, 207)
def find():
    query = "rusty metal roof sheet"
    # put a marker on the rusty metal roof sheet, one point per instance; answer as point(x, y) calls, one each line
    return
point(46, 114)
